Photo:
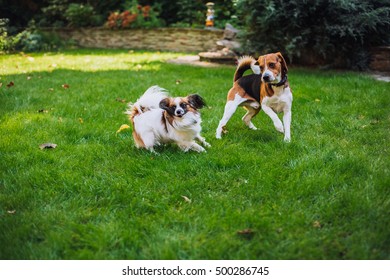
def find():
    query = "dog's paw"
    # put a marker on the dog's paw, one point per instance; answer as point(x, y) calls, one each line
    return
point(206, 144)
point(252, 126)
point(279, 127)
point(287, 139)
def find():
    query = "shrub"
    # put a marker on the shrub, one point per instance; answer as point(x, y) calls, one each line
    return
point(53, 15)
point(79, 15)
point(339, 32)
point(136, 16)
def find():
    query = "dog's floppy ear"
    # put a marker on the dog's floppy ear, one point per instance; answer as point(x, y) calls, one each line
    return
point(258, 61)
point(283, 62)
point(196, 101)
point(164, 104)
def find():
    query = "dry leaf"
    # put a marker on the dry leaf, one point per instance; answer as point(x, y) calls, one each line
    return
point(65, 86)
point(11, 212)
point(316, 224)
point(123, 127)
point(81, 120)
point(178, 82)
point(120, 100)
point(247, 233)
point(317, 100)
point(43, 111)
point(51, 89)
point(28, 77)
point(186, 199)
point(11, 84)
point(1, 84)
point(47, 146)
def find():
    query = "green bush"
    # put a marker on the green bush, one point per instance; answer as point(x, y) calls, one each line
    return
point(336, 33)
point(29, 40)
point(79, 15)
point(53, 15)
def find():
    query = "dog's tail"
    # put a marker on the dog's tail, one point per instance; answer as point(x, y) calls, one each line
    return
point(244, 63)
point(148, 101)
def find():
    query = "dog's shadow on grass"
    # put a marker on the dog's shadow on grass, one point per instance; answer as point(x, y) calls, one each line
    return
point(250, 136)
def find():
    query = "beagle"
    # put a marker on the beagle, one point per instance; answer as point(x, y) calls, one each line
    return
point(266, 89)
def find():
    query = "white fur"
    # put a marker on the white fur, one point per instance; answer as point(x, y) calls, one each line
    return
point(281, 101)
point(254, 68)
point(150, 128)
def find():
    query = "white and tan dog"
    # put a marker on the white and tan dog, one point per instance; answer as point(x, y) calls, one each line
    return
point(158, 119)
point(266, 89)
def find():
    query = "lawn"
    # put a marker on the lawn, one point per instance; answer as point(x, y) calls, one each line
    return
point(325, 195)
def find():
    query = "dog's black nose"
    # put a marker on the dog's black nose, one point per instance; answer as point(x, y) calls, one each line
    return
point(179, 113)
point(266, 77)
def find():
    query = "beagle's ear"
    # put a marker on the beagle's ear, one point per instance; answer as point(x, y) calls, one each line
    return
point(164, 104)
point(196, 101)
point(283, 62)
point(261, 58)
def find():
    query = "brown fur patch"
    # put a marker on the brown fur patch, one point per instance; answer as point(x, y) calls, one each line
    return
point(236, 89)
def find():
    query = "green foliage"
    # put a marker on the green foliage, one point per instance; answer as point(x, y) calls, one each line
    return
point(323, 196)
point(29, 40)
point(5, 42)
point(135, 16)
point(53, 15)
point(338, 31)
point(80, 15)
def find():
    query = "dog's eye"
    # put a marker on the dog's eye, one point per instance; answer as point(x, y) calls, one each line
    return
point(271, 65)
point(173, 107)
point(183, 105)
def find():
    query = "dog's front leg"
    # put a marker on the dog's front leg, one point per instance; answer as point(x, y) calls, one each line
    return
point(274, 117)
point(202, 140)
point(287, 124)
point(186, 146)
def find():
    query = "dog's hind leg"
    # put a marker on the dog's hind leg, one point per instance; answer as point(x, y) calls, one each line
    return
point(230, 108)
point(149, 141)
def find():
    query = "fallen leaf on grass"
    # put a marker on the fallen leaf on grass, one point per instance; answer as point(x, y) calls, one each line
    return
point(120, 100)
point(11, 212)
point(43, 111)
point(123, 127)
point(178, 82)
point(28, 77)
point(248, 233)
point(81, 120)
point(317, 100)
point(65, 86)
point(316, 224)
point(11, 84)
point(186, 199)
point(51, 89)
point(1, 84)
point(47, 146)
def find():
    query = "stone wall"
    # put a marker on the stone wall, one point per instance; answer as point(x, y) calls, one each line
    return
point(164, 39)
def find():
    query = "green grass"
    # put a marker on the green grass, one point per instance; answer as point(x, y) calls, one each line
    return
point(324, 196)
